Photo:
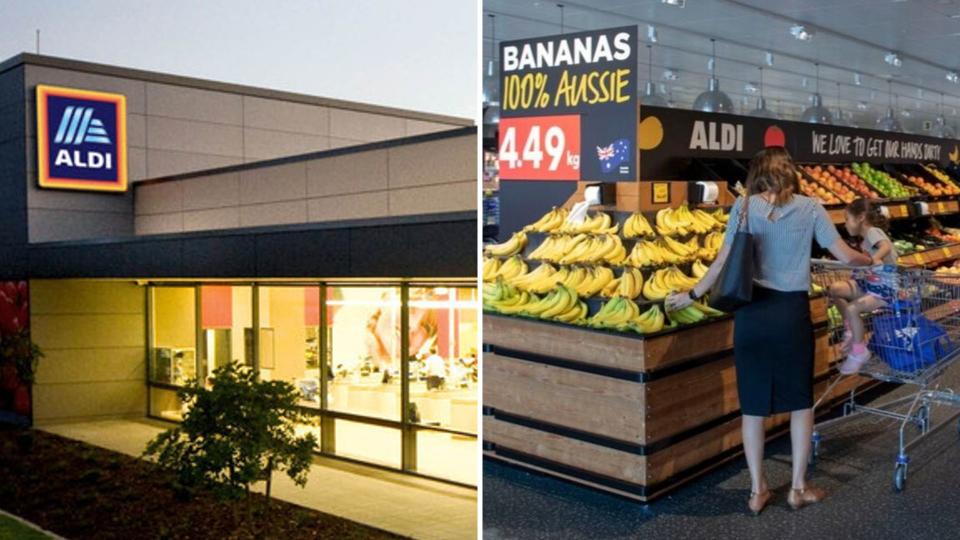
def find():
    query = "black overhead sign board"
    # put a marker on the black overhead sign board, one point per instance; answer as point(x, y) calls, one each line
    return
point(568, 107)
point(667, 135)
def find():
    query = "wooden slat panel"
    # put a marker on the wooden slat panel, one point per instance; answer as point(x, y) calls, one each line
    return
point(579, 454)
point(690, 398)
point(582, 401)
point(677, 347)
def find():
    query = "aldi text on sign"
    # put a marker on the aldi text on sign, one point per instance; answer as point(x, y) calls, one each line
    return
point(81, 139)
point(568, 108)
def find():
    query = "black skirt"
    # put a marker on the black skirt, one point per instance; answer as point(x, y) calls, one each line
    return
point(774, 351)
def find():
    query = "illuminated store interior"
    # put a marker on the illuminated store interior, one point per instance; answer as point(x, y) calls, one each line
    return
point(387, 371)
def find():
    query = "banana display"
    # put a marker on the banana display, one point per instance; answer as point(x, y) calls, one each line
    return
point(666, 280)
point(636, 226)
point(511, 247)
point(623, 314)
point(629, 285)
point(587, 281)
point(699, 269)
point(601, 222)
point(581, 248)
point(666, 250)
point(682, 221)
point(511, 268)
point(550, 222)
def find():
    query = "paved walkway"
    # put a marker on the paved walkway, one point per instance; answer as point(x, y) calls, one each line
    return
point(395, 502)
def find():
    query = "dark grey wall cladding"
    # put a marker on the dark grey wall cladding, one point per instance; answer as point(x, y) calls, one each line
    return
point(424, 246)
point(13, 199)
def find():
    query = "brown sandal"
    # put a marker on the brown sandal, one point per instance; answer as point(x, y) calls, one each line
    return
point(798, 498)
point(758, 501)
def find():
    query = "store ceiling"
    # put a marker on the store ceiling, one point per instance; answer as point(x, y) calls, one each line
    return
point(849, 36)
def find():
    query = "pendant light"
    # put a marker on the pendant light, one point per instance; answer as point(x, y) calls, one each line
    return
point(713, 99)
point(762, 111)
point(940, 127)
point(817, 113)
point(650, 96)
point(889, 121)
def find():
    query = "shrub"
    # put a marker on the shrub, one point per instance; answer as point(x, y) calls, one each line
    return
point(236, 434)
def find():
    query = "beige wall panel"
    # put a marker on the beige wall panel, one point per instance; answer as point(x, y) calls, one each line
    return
point(285, 116)
point(350, 173)
point(420, 127)
point(273, 184)
point(259, 144)
point(273, 213)
point(73, 296)
point(220, 218)
point(136, 130)
point(162, 163)
point(361, 126)
point(161, 198)
point(339, 142)
point(92, 365)
point(159, 224)
point(215, 191)
point(433, 199)
point(85, 400)
point(193, 103)
point(434, 162)
point(363, 205)
point(193, 136)
point(85, 331)
point(136, 164)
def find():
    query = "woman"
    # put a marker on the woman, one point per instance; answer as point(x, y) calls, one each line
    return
point(773, 335)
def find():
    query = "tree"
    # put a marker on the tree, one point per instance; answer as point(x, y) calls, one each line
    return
point(18, 354)
point(236, 434)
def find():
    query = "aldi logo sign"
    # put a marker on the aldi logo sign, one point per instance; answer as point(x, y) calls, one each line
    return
point(81, 139)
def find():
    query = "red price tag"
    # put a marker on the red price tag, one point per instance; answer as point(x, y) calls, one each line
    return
point(540, 148)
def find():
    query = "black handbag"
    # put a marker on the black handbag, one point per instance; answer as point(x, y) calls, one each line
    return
point(734, 286)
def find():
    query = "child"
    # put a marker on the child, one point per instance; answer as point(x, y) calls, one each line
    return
point(867, 292)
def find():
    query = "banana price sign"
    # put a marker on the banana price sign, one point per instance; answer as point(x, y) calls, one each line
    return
point(568, 107)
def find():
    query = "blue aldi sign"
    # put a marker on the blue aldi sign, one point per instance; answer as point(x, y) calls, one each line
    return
point(81, 139)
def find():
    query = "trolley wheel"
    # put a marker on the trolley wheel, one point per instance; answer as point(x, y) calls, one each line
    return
point(899, 477)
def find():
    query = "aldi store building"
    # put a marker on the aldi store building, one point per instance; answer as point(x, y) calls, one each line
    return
point(159, 226)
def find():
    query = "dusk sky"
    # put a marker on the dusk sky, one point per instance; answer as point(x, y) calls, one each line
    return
point(418, 54)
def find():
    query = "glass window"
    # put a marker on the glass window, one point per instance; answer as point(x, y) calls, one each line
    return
point(226, 317)
point(366, 442)
point(174, 333)
point(165, 404)
point(290, 340)
point(363, 336)
point(447, 455)
point(443, 357)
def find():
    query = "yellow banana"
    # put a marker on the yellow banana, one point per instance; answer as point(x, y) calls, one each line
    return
point(514, 245)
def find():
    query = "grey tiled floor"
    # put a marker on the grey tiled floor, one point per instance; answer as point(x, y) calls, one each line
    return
point(856, 467)
point(399, 503)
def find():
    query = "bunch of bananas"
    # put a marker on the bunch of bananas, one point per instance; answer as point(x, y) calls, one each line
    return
point(555, 247)
point(665, 281)
point(551, 221)
point(681, 221)
point(560, 304)
point(490, 267)
point(711, 246)
point(664, 250)
point(498, 291)
point(588, 281)
point(513, 246)
point(693, 313)
point(540, 279)
point(699, 269)
point(582, 248)
point(623, 314)
point(636, 226)
point(601, 222)
point(512, 268)
point(629, 285)
point(721, 216)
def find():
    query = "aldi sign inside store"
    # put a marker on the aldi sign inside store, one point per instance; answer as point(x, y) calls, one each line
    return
point(568, 107)
point(81, 139)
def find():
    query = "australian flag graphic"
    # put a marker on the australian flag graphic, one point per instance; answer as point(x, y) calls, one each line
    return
point(614, 155)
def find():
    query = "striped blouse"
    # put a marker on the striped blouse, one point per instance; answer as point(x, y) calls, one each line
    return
point(783, 239)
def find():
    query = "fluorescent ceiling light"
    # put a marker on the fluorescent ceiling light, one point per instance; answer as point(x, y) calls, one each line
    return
point(893, 59)
point(769, 58)
point(676, 3)
point(953, 77)
point(857, 79)
point(669, 75)
point(651, 33)
point(801, 32)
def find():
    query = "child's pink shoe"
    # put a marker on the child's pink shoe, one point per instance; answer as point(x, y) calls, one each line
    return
point(855, 360)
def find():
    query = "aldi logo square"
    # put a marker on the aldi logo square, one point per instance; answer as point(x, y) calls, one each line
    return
point(81, 139)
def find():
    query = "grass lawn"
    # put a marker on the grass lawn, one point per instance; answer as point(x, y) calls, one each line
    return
point(81, 491)
point(13, 529)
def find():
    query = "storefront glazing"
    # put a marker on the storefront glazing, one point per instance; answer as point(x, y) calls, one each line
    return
point(388, 371)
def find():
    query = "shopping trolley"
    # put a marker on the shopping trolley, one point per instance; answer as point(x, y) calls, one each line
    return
point(913, 340)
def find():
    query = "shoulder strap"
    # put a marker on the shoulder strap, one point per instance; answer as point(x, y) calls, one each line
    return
point(744, 218)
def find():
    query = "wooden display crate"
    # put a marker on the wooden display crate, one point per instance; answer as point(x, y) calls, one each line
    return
point(635, 415)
